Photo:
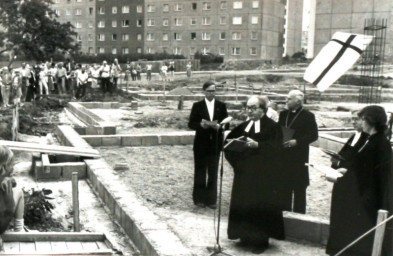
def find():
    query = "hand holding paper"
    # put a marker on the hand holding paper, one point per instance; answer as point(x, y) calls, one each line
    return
point(330, 173)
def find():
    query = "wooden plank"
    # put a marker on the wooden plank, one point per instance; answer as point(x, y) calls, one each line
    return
point(74, 246)
point(50, 149)
point(89, 246)
point(53, 236)
point(27, 247)
point(11, 247)
point(58, 246)
point(43, 247)
point(97, 252)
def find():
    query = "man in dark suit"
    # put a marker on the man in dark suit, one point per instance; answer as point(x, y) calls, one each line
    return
point(205, 119)
point(300, 130)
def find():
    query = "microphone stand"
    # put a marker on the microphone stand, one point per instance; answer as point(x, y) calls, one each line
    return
point(217, 249)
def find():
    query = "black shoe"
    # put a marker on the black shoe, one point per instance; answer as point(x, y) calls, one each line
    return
point(260, 248)
point(202, 205)
point(243, 243)
point(212, 206)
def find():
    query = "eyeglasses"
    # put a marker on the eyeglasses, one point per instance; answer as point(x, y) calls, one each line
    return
point(252, 108)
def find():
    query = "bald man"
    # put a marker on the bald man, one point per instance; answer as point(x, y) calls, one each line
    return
point(300, 130)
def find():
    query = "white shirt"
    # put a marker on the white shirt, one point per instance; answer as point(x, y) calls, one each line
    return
point(148, 67)
point(82, 77)
point(272, 114)
point(105, 71)
point(356, 138)
point(257, 126)
point(210, 108)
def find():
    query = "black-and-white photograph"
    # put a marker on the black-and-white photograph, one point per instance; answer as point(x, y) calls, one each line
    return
point(196, 127)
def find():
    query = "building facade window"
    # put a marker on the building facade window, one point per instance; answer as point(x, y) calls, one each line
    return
point(78, 24)
point(236, 36)
point(150, 50)
point(101, 50)
point(101, 10)
point(237, 20)
point(114, 23)
point(90, 37)
point(223, 20)
point(207, 6)
point(114, 37)
point(194, 6)
point(101, 24)
point(79, 38)
point(255, 4)
point(138, 50)
point(193, 35)
point(165, 8)
point(90, 24)
point(57, 12)
point(177, 36)
point(177, 51)
point(254, 35)
point(193, 21)
point(125, 9)
point(254, 20)
point(125, 23)
point(165, 37)
point(125, 37)
point(222, 36)
point(205, 50)
point(114, 50)
point(78, 11)
point(91, 50)
point(151, 22)
point(238, 5)
point(139, 37)
point(178, 21)
point(101, 37)
point(206, 36)
point(221, 51)
point(139, 23)
point(114, 9)
point(151, 8)
point(192, 50)
point(178, 7)
point(150, 37)
point(139, 9)
point(253, 51)
point(165, 22)
point(223, 5)
point(67, 12)
point(235, 50)
point(206, 21)
point(91, 10)
point(125, 50)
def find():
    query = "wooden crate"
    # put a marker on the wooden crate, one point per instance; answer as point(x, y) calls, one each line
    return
point(56, 243)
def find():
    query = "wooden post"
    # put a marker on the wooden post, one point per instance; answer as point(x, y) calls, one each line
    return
point(75, 201)
point(379, 233)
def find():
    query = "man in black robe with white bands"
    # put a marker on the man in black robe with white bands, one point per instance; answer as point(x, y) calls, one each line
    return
point(255, 213)
point(302, 127)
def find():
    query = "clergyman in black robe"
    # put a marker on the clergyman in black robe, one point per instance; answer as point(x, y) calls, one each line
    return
point(255, 214)
point(365, 188)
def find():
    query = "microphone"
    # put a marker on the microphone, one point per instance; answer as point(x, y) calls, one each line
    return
point(226, 120)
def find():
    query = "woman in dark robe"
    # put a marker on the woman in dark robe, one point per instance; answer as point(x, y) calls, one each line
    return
point(254, 212)
point(365, 188)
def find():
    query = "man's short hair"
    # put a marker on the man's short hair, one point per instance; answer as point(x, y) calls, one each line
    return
point(207, 84)
point(297, 94)
point(263, 102)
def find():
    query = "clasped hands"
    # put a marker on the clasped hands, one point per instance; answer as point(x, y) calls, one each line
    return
point(209, 124)
point(290, 143)
point(252, 143)
point(334, 178)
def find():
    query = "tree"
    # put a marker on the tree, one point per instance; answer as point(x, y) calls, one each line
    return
point(29, 27)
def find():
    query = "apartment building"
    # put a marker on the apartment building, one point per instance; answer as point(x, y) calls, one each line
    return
point(235, 29)
point(82, 15)
point(348, 16)
point(246, 29)
point(119, 26)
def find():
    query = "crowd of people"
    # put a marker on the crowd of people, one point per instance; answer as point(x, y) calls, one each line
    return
point(271, 176)
point(27, 83)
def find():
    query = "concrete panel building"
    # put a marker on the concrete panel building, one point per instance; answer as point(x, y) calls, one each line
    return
point(349, 16)
point(293, 27)
point(119, 26)
point(82, 15)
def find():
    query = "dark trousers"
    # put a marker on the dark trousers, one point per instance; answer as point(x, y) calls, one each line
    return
point(81, 91)
point(205, 178)
point(105, 84)
point(114, 85)
point(148, 75)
